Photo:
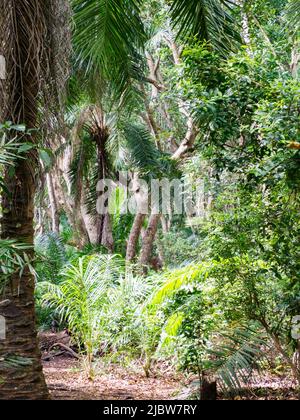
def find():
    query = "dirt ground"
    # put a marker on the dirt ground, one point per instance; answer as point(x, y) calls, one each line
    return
point(67, 382)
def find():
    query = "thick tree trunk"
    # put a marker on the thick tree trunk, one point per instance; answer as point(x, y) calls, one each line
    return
point(98, 228)
point(134, 237)
point(24, 44)
point(148, 241)
point(23, 380)
point(107, 239)
point(92, 225)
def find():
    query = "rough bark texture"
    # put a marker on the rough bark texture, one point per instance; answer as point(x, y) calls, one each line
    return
point(24, 40)
point(26, 380)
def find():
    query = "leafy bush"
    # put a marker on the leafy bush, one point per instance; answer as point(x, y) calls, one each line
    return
point(205, 300)
point(178, 248)
point(52, 257)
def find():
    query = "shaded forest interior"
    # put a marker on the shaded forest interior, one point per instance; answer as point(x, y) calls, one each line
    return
point(149, 199)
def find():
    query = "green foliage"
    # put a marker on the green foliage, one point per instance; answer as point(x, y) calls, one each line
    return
point(53, 257)
point(128, 327)
point(209, 20)
point(237, 357)
point(143, 153)
point(107, 39)
point(204, 300)
point(178, 248)
point(103, 308)
point(250, 109)
point(78, 299)
point(11, 147)
point(14, 259)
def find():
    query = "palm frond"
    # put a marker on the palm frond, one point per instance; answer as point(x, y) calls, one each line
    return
point(121, 311)
point(176, 279)
point(108, 35)
point(171, 328)
point(8, 151)
point(293, 15)
point(14, 258)
point(209, 20)
point(143, 152)
point(79, 298)
point(235, 360)
point(10, 144)
point(52, 246)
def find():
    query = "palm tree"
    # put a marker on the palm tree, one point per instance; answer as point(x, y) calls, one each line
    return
point(105, 143)
point(80, 298)
point(90, 165)
point(26, 42)
point(98, 47)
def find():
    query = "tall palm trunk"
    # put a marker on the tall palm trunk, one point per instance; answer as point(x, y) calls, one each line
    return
point(23, 43)
point(25, 379)
point(100, 135)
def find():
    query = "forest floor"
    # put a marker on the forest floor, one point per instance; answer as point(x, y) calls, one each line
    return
point(67, 381)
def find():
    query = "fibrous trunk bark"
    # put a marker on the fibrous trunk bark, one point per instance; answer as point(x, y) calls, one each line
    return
point(208, 390)
point(24, 44)
point(23, 379)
